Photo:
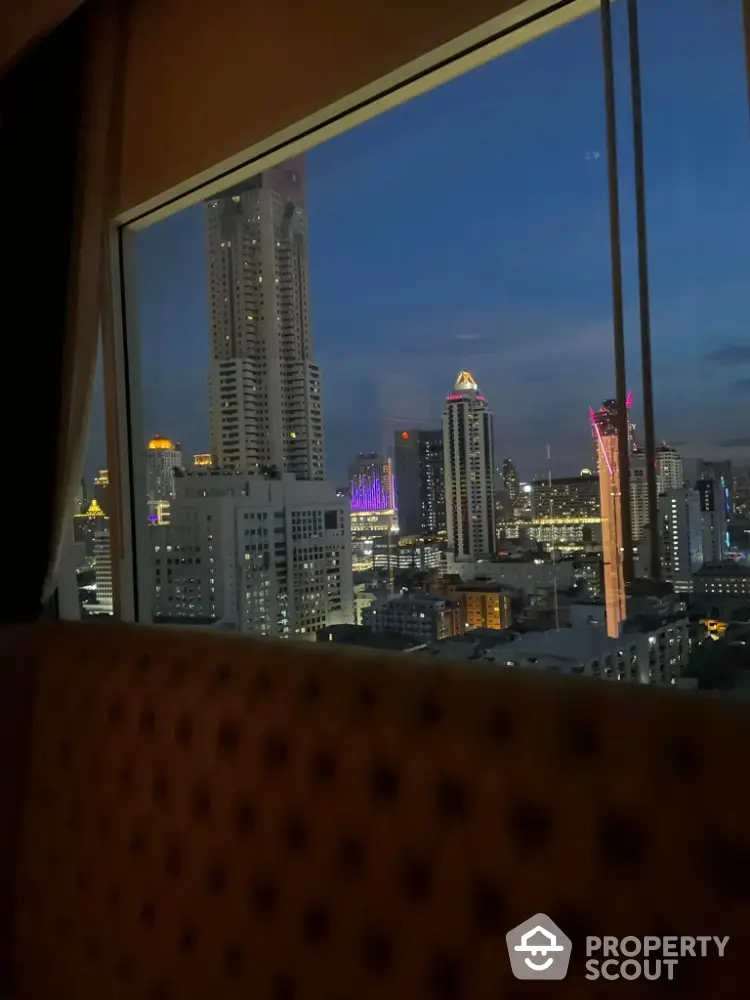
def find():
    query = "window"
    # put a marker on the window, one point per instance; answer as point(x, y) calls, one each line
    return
point(429, 327)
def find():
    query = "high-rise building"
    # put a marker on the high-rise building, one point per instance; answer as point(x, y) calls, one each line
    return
point(604, 428)
point(713, 469)
point(638, 495)
point(420, 482)
point(469, 464)
point(162, 458)
point(264, 387)
point(565, 512)
point(371, 483)
point(681, 536)
point(255, 553)
point(669, 471)
point(102, 572)
point(669, 476)
point(571, 497)
point(511, 482)
point(712, 496)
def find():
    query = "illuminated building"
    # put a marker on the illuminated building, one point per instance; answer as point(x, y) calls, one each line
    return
point(511, 482)
point(162, 458)
point(604, 430)
point(681, 537)
point(423, 618)
point(264, 387)
point(669, 472)
point(86, 525)
point(420, 482)
point(469, 464)
point(203, 461)
point(102, 572)
point(669, 476)
point(565, 512)
point(406, 552)
point(714, 499)
point(371, 483)
point(254, 553)
point(483, 603)
point(366, 526)
point(101, 489)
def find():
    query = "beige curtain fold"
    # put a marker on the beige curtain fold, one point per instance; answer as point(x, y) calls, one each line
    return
point(97, 172)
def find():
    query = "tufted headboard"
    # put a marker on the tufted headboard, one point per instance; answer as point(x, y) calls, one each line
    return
point(210, 817)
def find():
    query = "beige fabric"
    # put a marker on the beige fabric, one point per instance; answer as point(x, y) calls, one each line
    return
point(95, 187)
point(220, 817)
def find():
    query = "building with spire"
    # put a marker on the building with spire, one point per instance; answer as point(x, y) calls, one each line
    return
point(469, 464)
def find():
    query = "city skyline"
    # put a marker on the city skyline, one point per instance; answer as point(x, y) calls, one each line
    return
point(414, 276)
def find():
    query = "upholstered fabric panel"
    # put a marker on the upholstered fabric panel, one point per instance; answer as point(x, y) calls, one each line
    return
point(224, 817)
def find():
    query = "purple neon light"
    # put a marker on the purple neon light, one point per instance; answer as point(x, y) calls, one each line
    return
point(370, 493)
point(629, 399)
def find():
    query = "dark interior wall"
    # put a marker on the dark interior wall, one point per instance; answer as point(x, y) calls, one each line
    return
point(205, 82)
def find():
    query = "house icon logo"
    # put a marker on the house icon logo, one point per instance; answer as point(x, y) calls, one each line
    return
point(538, 949)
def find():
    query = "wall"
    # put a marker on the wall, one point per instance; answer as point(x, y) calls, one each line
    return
point(205, 82)
point(24, 22)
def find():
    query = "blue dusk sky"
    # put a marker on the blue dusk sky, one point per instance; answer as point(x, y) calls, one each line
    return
point(469, 228)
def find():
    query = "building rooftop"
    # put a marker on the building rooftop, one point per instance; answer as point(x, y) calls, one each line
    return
point(568, 645)
point(729, 568)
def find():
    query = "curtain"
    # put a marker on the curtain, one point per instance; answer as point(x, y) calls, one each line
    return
point(57, 118)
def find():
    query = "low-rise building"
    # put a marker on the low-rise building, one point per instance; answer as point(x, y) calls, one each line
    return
point(649, 651)
point(484, 604)
point(424, 618)
point(726, 579)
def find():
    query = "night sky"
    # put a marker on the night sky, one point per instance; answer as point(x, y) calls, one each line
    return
point(469, 228)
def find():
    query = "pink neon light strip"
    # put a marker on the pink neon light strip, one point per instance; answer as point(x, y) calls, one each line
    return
point(601, 445)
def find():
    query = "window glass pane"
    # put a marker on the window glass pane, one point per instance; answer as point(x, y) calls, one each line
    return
point(697, 160)
point(378, 384)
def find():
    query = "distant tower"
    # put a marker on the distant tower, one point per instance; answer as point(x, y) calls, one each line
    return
point(162, 458)
point(604, 430)
point(469, 464)
point(510, 480)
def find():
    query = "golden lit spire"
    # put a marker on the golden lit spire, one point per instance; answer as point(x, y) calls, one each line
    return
point(160, 444)
point(466, 381)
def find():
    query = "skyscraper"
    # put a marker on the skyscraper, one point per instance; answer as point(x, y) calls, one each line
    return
point(162, 458)
point(681, 537)
point(669, 476)
point(510, 480)
point(263, 541)
point(669, 471)
point(264, 387)
point(712, 496)
point(604, 429)
point(371, 483)
point(469, 465)
point(420, 482)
